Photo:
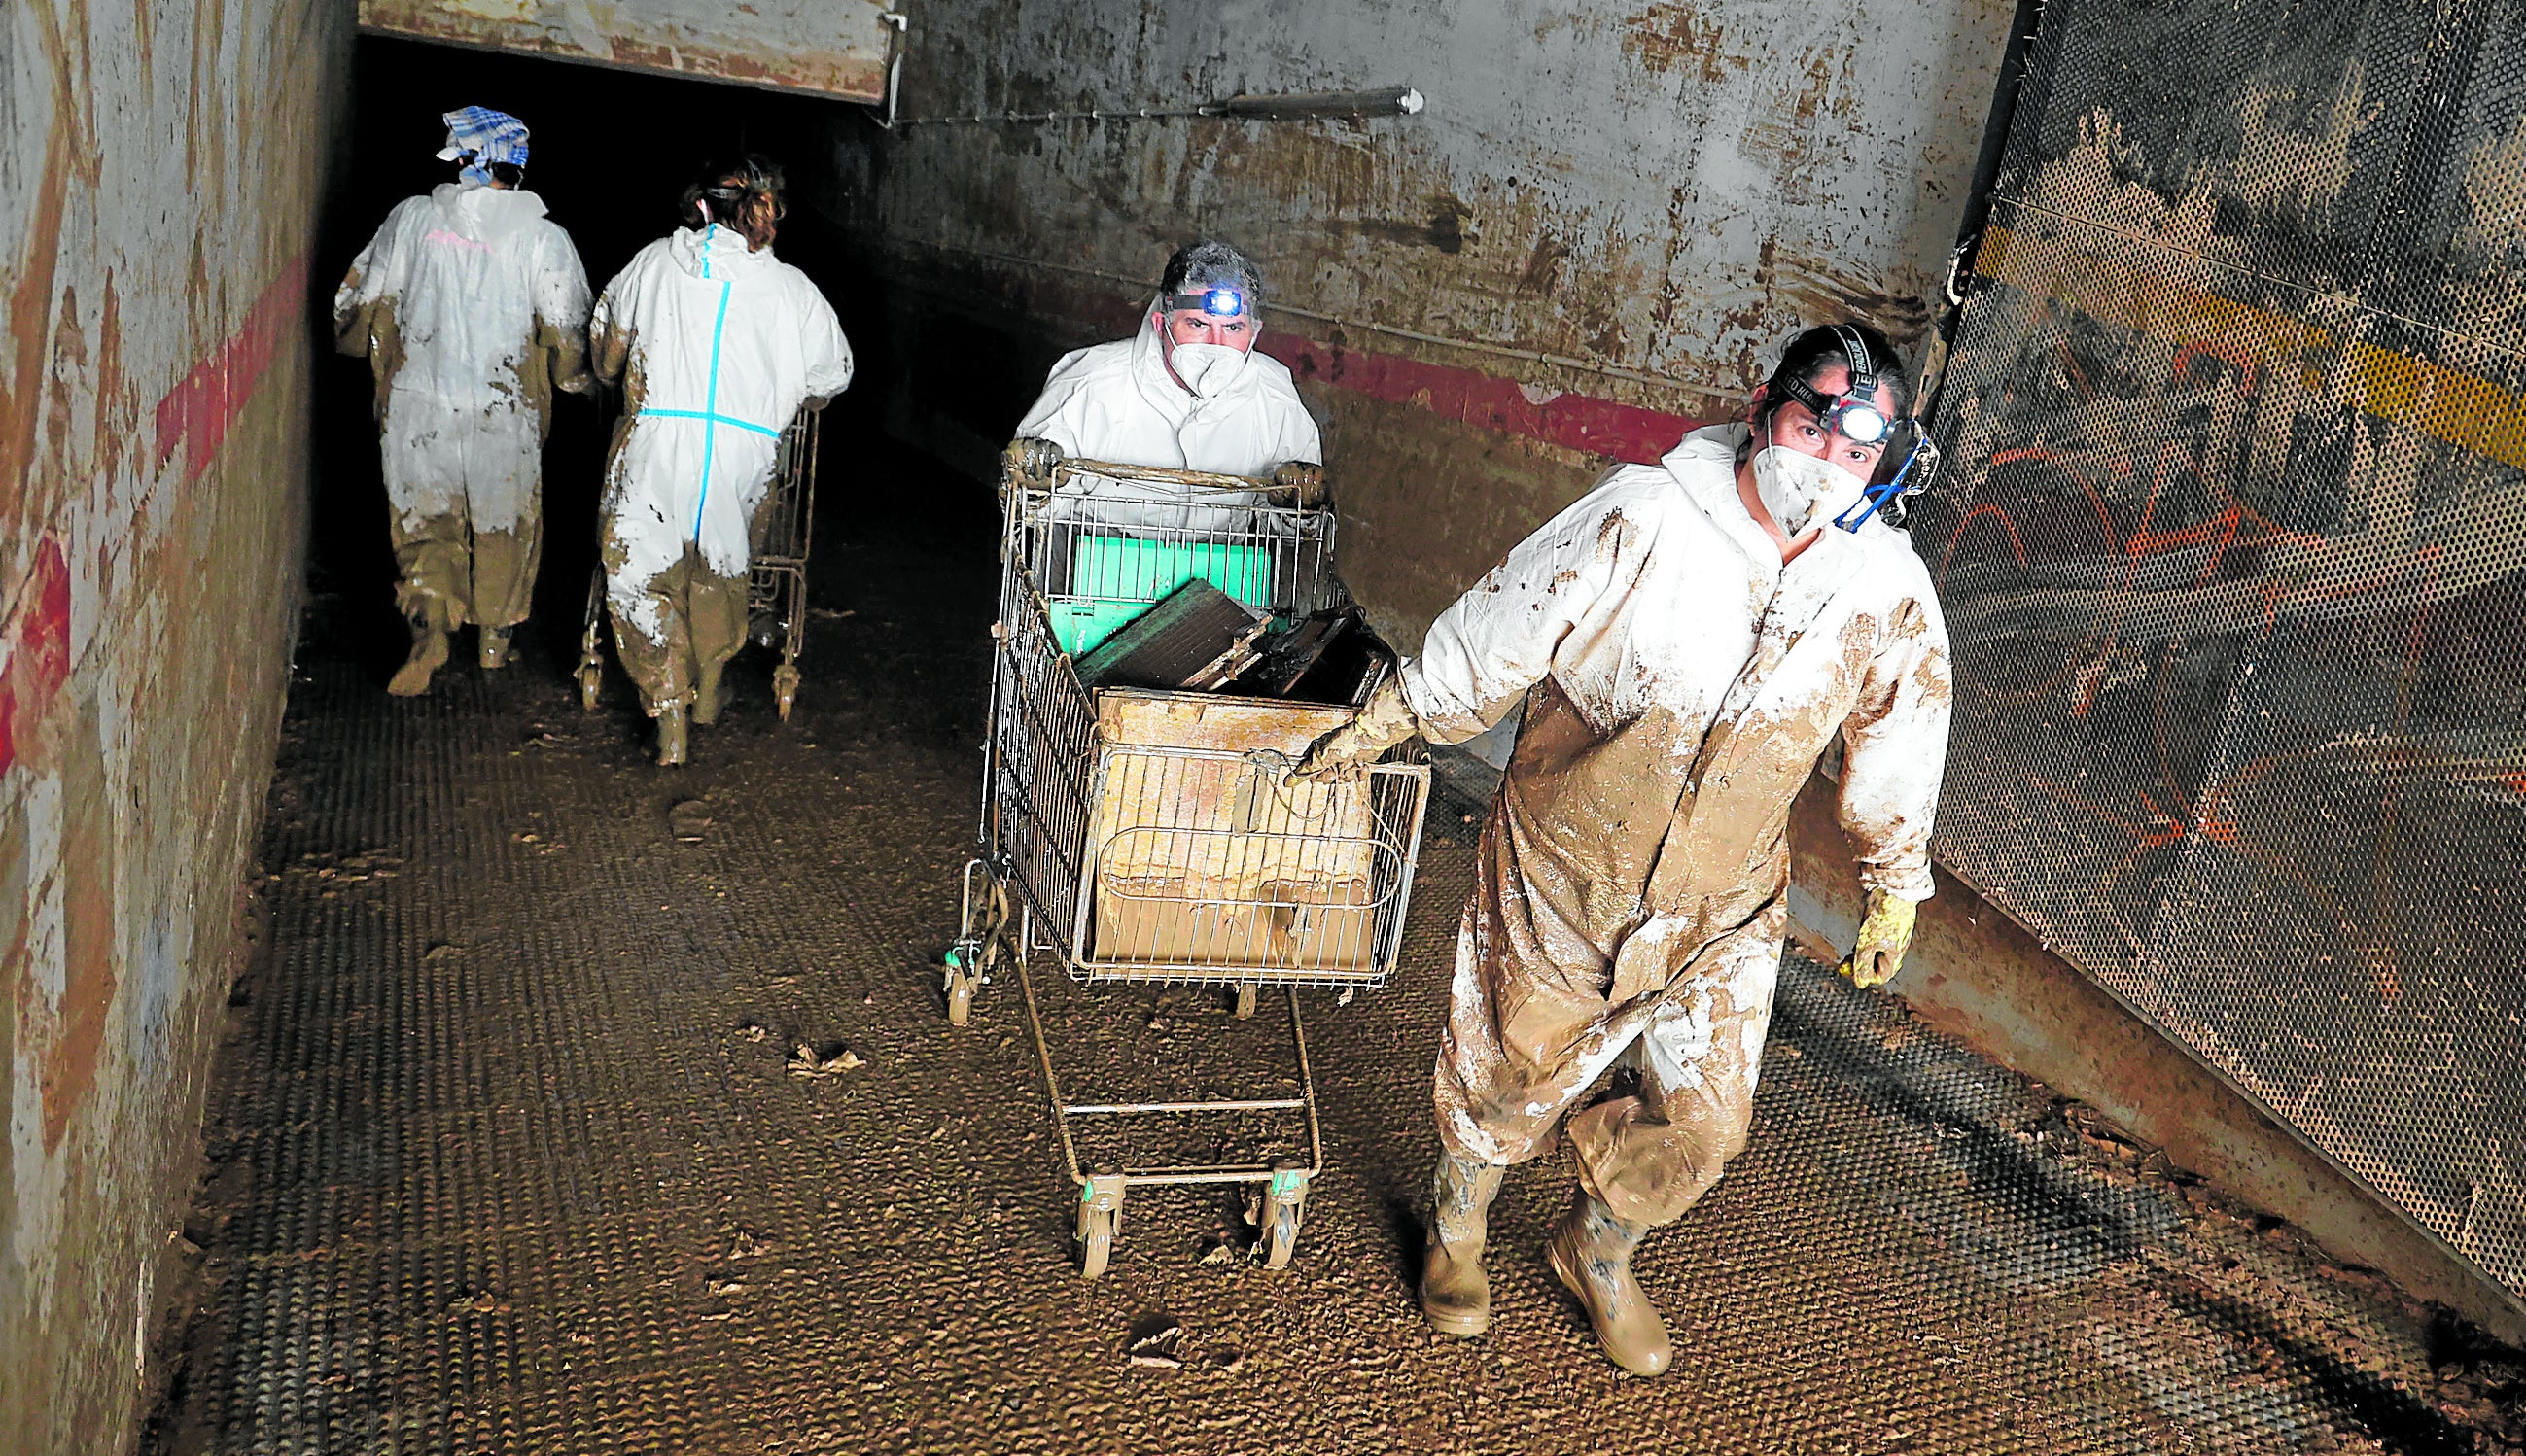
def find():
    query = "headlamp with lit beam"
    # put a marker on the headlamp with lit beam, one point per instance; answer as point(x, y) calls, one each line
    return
point(1218, 303)
point(1911, 458)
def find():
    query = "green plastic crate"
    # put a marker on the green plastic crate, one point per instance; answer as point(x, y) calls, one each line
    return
point(1114, 579)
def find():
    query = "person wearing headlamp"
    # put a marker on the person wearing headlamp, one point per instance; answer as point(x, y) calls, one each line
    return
point(1689, 639)
point(1186, 392)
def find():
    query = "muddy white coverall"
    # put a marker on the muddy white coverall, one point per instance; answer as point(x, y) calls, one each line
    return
point(471, 308)
point(1117, 402)
point(1680, 684)
point(716, 347)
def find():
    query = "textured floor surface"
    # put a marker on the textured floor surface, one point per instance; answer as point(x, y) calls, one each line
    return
point(508, 1157)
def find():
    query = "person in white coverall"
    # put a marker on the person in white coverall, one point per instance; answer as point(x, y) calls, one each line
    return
point(1688, 639)
point(1186, 392)
point(471, 308)
point(717, 344)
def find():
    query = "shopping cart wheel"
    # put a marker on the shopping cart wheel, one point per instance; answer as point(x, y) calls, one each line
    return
point(1100, 1214)
point(785, 688)
point(1245, 1001)
point(590, 676)
point(960, 977)
point(1285, 1202)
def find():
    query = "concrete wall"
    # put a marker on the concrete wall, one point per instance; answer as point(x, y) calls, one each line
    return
point(1607, 216)
point(160, 162)
point(818, 46)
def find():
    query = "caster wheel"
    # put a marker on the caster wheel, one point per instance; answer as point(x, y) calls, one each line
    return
point(1100, 1217)
point(959, 980)
point(785, 688)
point(589, 676)
point(1285, 1201)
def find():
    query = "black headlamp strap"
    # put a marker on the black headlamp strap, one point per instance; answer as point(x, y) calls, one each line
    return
point(1863, 369)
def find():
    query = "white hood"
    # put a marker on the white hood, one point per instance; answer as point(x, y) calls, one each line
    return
point(487, 213)
point(719, 254)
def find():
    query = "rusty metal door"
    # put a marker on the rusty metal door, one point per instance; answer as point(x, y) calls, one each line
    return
point(2235, 561)
point(831, 47)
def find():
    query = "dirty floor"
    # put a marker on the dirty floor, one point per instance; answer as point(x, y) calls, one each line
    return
point(509, 1154)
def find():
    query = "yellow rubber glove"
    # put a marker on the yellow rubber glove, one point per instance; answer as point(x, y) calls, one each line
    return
point(1883, 936)
point(1339, 756)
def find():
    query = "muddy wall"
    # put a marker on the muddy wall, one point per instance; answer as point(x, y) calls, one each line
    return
point(159, 169)
point(1605, 217)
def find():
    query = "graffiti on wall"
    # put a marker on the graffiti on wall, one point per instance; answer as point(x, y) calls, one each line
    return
point(2234, 569)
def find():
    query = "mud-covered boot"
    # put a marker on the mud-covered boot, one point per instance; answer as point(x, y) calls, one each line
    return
point(493, 646)
point(706, 700)
point(672, 735)
point(428, 655)
point(1455, 1294)
point(1591, 1251)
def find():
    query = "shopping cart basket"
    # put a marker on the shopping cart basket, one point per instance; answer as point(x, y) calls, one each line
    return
point(775, 589)
point(1153, 837)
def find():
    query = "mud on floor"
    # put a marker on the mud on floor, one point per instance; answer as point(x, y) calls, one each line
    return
point(583, 1107)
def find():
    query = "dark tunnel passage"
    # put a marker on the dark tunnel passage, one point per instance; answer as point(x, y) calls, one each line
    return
point(612, 151)
point(570, 1104)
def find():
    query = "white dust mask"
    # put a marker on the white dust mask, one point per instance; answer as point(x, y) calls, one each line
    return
point(1799, 488)
point(1207, 370)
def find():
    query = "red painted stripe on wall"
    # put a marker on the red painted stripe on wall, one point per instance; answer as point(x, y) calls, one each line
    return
point(39, 661)
point(1597, 427)
point(195, 415)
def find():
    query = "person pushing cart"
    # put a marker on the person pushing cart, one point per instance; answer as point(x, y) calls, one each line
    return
point(717, 346)
point(1170, 638)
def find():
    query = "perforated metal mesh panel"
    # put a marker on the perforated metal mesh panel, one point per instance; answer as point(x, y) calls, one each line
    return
point(2233, 557)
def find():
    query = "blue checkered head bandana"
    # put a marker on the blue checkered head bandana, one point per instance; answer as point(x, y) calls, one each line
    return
point(483, 136)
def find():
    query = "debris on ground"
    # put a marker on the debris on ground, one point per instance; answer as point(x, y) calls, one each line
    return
point(689, 821)
point(806, 1061)
point(1153, 1343)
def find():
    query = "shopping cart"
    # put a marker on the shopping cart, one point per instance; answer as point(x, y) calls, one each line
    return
point(775, 589)
point(1153, 837)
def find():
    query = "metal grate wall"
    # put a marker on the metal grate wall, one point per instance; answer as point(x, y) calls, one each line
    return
point(2235, 555)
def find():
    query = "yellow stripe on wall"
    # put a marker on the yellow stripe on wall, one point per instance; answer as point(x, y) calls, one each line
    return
point(2470, 413)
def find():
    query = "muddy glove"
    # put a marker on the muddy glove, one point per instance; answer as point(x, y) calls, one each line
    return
point(1031, 461)
point(1883, 938)
point(1304, 477)
point(1339, 756)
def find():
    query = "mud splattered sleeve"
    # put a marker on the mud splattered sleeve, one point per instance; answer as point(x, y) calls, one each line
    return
point(561, 311)
point(1896, 742)
point(374, 277)
point(608, 333)
point(1501, 637)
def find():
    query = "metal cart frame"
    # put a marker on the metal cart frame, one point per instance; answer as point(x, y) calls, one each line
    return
point(775, 589)
point(1257, 882)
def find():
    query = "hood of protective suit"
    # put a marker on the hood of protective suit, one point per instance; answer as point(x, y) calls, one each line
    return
point(718, 253)
point(487, 213)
